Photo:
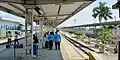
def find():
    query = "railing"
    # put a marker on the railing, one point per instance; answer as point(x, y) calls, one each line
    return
point(12, 40)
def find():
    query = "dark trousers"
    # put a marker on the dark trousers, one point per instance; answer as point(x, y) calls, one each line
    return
point(9, 40)
point(46, 44)
point(35, 49)
point(57, 45)
point(16, 41)
point(50, 44)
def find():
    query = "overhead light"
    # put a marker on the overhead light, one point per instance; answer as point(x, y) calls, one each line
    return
point(41, 12)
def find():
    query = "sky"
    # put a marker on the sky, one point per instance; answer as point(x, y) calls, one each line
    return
point(82, 17)
point(85, 16)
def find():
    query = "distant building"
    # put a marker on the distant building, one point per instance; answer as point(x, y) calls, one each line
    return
point(9, 25)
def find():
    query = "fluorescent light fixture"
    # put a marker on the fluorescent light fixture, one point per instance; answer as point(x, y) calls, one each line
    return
point(41, 12)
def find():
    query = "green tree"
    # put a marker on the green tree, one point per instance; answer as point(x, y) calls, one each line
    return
point(102, 12)
point(105, 33)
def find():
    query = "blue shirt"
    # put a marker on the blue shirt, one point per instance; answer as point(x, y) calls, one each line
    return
point(57, 37)
point(51, 37)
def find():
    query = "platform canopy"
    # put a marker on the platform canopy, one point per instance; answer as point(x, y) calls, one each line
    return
point(96, 24)
point(54, 12)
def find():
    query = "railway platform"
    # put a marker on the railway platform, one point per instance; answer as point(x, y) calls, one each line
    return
point(68, 51)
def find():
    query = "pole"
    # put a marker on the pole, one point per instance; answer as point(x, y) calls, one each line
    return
point(42, 32)
point(28, 21)
point(31, 19)
point(14, 51)
point(26, 29)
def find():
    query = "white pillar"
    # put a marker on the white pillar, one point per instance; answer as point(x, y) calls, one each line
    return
point(41, 33)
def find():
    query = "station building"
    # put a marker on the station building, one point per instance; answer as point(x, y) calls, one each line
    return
point(8, 25)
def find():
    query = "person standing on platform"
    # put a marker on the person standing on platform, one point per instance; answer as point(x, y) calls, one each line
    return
point(51, 38)
point(9, 35)
point(45, 39)
point(16, 37)
point(57, 40)
point(35, 45)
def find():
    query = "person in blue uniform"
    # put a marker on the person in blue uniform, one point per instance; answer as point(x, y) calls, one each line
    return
point(57, 40)
point(45, 39)
point(51, 39)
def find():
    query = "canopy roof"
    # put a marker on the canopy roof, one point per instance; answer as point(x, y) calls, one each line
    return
point(54, 12)
point(116, 5)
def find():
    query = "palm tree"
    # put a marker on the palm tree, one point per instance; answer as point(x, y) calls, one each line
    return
point(102, 12)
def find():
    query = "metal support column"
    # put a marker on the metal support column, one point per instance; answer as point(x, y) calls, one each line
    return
point(28, 30)
point(41, 32)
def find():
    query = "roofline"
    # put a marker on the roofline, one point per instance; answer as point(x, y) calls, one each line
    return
point(116, 5)
point(96, 24)
point(37, 2)
point(76, 11)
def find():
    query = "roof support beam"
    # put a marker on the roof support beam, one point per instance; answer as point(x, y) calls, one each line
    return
point(16, 7)
point(54, 15)
point(51, 20)
point(58, 11)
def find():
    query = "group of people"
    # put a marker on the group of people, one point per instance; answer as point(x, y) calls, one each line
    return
point(50, 38)
point(9, 35)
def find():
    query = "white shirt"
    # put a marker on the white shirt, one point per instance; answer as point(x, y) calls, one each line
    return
point(9, 36)
point(16, 36)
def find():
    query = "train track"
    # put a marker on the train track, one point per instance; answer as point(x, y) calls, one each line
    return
point(78, 45)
